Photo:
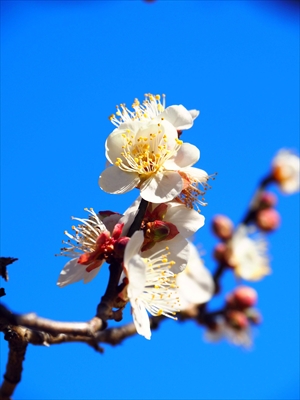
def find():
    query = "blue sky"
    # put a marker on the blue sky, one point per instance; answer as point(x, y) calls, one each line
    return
point(64, 67)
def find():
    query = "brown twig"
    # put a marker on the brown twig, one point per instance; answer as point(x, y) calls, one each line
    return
point(136, 225)
point(4, 262)
point(17, 348)
point(250, 214)
point(32, 321)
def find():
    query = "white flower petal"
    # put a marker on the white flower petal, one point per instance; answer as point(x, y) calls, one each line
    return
point(74, 272)
point(129, 216)
point(179, 252)
point(199, 174)
point(187, 155)
point(162, 187)
point(192, 292)
point(133, 247)
point(165, 132)
point(114, 180)
point(178, 116)
point(136, 270)
point(196, 285)
point(111, 221)
point(141, 319)
point(186, 220)
point(115, 140)
point(88, 276)
point(194, 114)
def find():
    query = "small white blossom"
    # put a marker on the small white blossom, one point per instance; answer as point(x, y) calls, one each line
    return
point(86, 248)
point(248, 255)
point(195, 283)
point(145, 152)
point(186, 221)
point(285, 170)
point(238, 337)
point(151, 284)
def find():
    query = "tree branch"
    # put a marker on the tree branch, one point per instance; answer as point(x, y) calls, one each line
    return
point(32, 321)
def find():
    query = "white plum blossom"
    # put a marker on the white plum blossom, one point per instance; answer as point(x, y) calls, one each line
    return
point(86, 248)
point(248, 255)
point(151, 284)
point(285, 170)
point(145, 152)
point(186, 221)
point(238, 337)
point(195, 283)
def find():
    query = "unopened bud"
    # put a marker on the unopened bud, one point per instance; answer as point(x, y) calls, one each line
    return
point(267, 200)
point(244, 297)
point(221, 253)
point(267, 220)
point(222, 227)
point(237, 319)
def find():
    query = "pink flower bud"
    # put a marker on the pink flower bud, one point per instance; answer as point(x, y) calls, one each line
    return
point(244, 297)
point(237, 319)
point(221, 253)
point(268, 219)
point(267, 200)
point(222, 227)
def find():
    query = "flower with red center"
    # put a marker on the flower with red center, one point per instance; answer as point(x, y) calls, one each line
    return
point(171, 222)
point(89, 247)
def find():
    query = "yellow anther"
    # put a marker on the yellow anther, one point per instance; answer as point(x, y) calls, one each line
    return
point(164, 260)
point(157, 97)
point(112, 116)
point(159, 312)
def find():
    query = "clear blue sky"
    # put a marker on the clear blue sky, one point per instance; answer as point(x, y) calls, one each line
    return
point(65, 65)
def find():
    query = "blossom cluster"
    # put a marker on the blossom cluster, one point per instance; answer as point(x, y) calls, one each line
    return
point(161, 272)
point(145, 152)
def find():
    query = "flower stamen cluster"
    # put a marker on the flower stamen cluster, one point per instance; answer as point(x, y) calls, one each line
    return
point(149, 109)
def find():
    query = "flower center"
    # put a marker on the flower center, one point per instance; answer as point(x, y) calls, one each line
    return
point(147, 154)
point(160, 296)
